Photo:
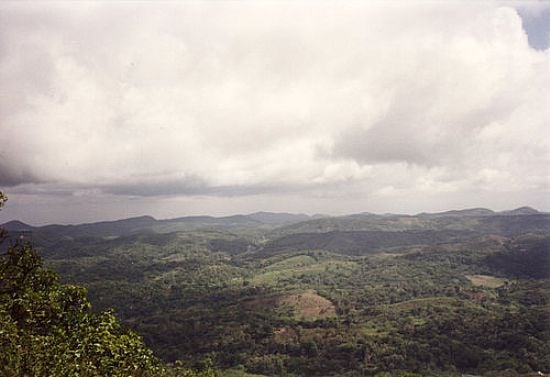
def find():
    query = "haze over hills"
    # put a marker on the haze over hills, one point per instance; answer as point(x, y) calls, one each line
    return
point(273, 218)
point(145, 221)
point(278, 232)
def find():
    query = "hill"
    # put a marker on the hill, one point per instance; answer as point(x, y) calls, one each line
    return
point(16, 226)
point(434, 294)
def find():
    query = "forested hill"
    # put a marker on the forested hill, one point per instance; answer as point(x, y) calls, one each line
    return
point(451, 293)
point(148, 223)
point(280, 232)
point(274, 225)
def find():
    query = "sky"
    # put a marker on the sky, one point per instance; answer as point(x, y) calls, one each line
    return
point(116, 109)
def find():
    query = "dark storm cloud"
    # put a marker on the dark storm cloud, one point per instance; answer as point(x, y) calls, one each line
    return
point(192, 186)
point(152, 189)
point(381, 144)
point(185, 187)
point(11, 176)
point(188, 186)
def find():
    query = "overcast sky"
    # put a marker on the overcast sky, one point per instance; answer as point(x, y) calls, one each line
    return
point(110, 110)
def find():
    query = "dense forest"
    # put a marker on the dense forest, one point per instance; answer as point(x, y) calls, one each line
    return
point(48, 329)
point(461, 292)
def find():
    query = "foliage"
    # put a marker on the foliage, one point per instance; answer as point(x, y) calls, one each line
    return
point(398, 293)
point(47, 328)
point(416, 311)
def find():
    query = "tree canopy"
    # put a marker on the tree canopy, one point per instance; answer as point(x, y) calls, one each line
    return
point(48, 329)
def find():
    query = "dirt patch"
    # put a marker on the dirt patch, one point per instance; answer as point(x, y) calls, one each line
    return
point(486, 281)
point(304, 305)
point(308, 305)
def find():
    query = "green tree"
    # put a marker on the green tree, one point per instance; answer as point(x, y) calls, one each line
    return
point(48, 329)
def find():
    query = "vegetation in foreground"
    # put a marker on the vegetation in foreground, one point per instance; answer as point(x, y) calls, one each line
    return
point(47, 328)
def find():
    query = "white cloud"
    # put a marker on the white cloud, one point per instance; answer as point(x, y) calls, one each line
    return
point(239, 97)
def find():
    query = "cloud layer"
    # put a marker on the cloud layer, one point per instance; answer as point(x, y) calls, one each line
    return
point(227, 99)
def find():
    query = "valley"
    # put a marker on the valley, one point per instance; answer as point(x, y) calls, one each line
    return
point(282, 294)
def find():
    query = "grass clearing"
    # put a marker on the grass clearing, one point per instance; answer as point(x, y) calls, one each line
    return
point(293, 267)
point(305, 305)
point(486, 281)
point(309, 305)
point(442, 302)
point(297, 261)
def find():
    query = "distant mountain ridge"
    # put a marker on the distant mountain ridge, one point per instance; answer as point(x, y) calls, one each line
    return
point(123, 227)
point(281, 231)
point(521, 211)
point(16, 226)
point(270, 218)
point(463, 212)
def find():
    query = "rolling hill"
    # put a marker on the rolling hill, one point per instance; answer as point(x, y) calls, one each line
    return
point(457, 292)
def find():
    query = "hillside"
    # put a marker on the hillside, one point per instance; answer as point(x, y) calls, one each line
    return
point(355, 234)
point(448, 293)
